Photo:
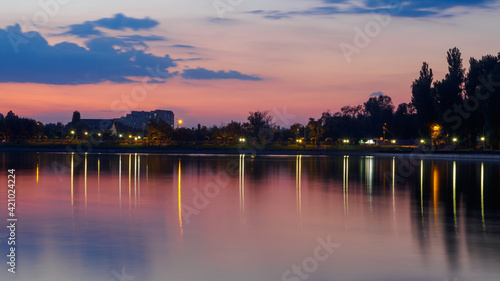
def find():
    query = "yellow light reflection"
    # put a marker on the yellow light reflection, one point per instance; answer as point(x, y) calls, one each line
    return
point(120, 180)
point(482, 197)
point(347, 183)
point(242, 188)
point(98, 179)
point(180, 203)
point(139, 178)
point(85, 179)
point(343, 186)
point(37, 164)
point(455, 194)
point(135, 180)
point(129, 181)
point(422, 190)
point(72, 177)
point(298, 186)
point(435, 187)
point(393, 187)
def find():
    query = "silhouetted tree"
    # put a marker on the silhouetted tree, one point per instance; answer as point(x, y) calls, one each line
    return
point(379, 112)
point(258, 121)
point(423, 101)
point(448, 92)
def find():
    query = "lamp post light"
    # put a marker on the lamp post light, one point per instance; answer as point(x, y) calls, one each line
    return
point(483, 139)
point(422, 141)
point(179, 123)
point(454, 140)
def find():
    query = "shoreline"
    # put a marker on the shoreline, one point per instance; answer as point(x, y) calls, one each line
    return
point(472, 155)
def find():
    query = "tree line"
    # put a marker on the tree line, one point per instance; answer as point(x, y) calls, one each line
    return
point(463, 108)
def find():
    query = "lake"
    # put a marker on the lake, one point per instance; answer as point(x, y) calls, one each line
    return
point(235, 217)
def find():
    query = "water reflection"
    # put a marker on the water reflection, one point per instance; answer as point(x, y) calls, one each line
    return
point(241, 186)
point(441, 216)
point(298, 187)
point(482, 197)
point(179, 201)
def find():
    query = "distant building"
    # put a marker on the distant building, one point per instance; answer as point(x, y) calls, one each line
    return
point(139, 119)
point(103, 125)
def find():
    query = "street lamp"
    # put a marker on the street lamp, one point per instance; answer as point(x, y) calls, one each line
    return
point(72, 132)
point(483, 140)
point(99, 134)
point(86, 133)
point(179, 123)
point(138, 137)
point(422, 141)
point(455, 139)
point(129, 136)
point(121, 136)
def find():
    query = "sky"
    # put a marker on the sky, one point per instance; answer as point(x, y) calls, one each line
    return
point(213, 61)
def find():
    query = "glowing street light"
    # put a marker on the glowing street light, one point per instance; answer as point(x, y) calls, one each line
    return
point(483, 138)
point(179, 123)
point(86, 133)
point(72, 132)
point(130, 136)
point(422, 141)
point(393, 141)
point(138, 137)
point(121, 136)
point(455, 139)
point(99, 134)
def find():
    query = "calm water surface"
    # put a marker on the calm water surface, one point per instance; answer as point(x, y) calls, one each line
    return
point(162, 217)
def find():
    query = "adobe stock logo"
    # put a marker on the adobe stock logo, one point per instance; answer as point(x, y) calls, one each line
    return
point(310, 264)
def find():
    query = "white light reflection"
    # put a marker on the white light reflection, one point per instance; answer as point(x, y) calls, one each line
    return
point(242, 188)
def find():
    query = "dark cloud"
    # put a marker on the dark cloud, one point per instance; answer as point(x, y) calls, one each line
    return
point(121, 22)
point(26, 57)
point(376, 94)
point(139, 38)
point(183, 46)
point(400, 8)
point(205, 74)
point(84, 30)
point(117, 22)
